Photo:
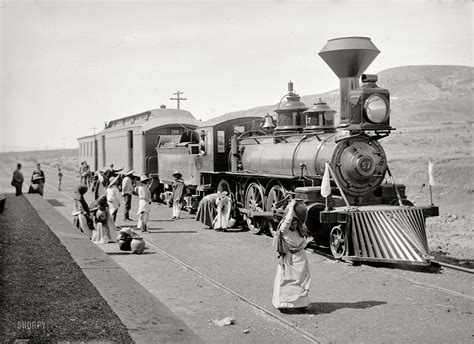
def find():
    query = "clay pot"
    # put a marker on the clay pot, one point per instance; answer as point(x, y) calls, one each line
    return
point(138, 245)
point(124, 245)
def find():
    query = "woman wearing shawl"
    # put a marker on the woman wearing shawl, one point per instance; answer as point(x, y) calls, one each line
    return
point(206, 211)
point(292, 279)
point(144, 201)
point(113, 197)
point(81, 212)
point(178, 193)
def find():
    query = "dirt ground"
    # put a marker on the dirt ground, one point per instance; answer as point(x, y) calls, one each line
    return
point(449, 147)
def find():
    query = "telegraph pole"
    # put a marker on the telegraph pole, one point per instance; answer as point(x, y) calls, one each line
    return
point(178, 98)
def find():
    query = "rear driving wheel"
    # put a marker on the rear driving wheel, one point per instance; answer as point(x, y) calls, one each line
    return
point(254, 201)
point(275, 202)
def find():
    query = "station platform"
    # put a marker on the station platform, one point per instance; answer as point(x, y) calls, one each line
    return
point(146, 319)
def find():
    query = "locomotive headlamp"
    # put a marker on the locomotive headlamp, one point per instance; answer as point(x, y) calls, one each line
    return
point(376, 108)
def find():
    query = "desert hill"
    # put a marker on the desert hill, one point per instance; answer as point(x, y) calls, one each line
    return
point(418, 94)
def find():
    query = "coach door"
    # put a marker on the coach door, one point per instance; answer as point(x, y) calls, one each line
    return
point(130, 149)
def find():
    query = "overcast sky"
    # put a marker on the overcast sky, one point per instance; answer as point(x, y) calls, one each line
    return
point(68, 66)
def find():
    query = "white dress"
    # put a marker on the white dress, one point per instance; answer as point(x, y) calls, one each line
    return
point(292, 278)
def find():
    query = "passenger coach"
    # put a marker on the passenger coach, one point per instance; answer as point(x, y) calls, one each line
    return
point(130, 142)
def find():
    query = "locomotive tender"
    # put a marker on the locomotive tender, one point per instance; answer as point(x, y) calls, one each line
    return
point(262, 163)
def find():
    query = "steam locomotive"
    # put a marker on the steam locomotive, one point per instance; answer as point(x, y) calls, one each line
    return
point(262, 163)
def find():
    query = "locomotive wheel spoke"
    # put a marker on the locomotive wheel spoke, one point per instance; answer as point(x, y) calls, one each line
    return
point(254, 200)
point(276, 194)
point(337, 242)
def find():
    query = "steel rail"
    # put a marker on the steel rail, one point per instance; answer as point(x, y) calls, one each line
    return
point(454, 267)
point(243, 298)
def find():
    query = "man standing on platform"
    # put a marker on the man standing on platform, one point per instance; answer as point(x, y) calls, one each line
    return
point(179, 190)
point(17, 180)
point(127, 191)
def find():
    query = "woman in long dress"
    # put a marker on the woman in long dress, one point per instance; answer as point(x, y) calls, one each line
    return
point(206, 211)
point(81, 212)
point(103, 233)
point(292, 279)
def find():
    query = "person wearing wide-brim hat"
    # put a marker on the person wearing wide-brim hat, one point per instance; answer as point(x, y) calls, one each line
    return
point(127, 192)
point(292, 278)
point(113, 197)
point(144, 201)
point(36, 182)
point(179, 191)
point(177, 174)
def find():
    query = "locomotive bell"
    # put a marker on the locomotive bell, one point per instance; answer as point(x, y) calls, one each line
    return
point(268, 123)
point(320, 116)
point(290, 114)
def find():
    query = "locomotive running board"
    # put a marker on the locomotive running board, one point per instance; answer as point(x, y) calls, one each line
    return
point(390, 235)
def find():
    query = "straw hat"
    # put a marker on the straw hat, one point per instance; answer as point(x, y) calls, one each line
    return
point(177, 174)
point(36, 176)
point(113, 180)
point(144, 178)
point(129, 172)
point(94, 206)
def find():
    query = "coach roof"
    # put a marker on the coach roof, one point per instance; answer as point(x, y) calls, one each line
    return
point(228, 117)
point(153, 119)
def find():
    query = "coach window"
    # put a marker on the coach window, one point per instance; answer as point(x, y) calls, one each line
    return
point(220, 141)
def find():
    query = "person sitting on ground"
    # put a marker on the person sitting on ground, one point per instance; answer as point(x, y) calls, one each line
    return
point(179, 191)
point(144, 201)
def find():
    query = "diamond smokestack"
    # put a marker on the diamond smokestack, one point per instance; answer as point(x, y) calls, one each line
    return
point(348, 57)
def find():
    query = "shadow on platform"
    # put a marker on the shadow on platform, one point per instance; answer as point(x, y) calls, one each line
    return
point(161, 231)
point(125, 253)
point(329, 307)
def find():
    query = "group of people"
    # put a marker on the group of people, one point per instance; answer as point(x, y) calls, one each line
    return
point(36, 184)
point(97, 221)
point(118, 189)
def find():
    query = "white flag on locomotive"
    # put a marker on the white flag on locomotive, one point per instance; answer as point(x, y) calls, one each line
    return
point(430, 173)
point(326, 183)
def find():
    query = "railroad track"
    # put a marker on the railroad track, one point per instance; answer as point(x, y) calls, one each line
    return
point(316, 249)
